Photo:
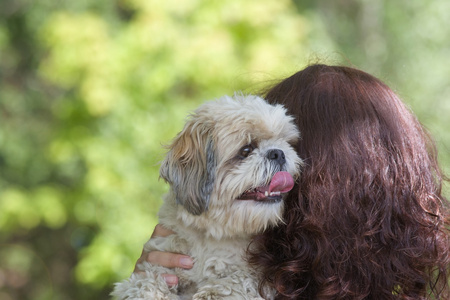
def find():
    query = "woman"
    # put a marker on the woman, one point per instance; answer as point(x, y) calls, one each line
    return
point(367, 219)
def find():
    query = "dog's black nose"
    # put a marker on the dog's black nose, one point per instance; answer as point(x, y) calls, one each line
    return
point(277, 156)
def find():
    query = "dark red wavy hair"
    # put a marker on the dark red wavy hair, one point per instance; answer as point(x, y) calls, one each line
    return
point(367, 219)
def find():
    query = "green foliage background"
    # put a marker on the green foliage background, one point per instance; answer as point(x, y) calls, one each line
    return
point(91, 90)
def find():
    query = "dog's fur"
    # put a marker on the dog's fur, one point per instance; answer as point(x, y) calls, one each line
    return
point(208, 170)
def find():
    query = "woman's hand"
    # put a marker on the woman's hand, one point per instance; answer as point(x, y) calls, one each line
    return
point(165, 259)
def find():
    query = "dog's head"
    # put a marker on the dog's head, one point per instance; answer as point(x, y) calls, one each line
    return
point(232, 164)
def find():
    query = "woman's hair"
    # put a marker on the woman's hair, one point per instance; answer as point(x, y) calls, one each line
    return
point(367, 219)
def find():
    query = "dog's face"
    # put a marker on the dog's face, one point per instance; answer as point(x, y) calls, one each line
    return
point(231, 166)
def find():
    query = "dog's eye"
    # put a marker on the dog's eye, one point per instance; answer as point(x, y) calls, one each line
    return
point(246, 150)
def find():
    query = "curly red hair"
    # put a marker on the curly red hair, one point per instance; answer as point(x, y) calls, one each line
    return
point(367, 219)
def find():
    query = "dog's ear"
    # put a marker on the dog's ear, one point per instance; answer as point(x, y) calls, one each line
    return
point(190, 167)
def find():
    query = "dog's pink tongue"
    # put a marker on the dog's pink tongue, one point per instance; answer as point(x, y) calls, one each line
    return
point(281, 182)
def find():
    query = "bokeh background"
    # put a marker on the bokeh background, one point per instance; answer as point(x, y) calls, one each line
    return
point(91, 90)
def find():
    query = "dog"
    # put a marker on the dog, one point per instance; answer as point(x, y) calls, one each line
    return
point(229, 170)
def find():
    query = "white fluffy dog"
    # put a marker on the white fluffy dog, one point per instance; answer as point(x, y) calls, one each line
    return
point(228, 171)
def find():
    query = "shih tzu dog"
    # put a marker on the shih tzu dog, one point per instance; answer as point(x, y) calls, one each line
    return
point(228, 171)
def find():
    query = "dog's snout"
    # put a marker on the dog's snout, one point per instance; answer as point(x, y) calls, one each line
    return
point(277, 156)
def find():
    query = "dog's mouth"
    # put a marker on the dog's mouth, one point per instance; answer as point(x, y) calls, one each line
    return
point(281, 183)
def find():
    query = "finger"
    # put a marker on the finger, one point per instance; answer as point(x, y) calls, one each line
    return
point(161, 231)
point(170, 260)
point(170, 279)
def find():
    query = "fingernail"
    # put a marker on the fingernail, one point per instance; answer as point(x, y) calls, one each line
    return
point(186, 262)
point(171, 279)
